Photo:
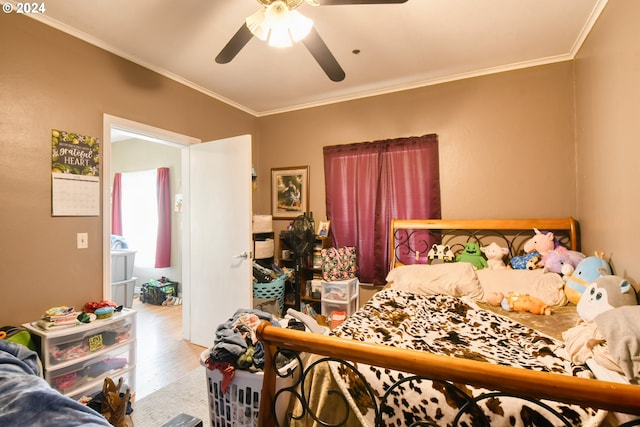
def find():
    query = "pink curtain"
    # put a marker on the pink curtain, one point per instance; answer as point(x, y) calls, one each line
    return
point(368, 184)
point(163, 243)
point(116, 205)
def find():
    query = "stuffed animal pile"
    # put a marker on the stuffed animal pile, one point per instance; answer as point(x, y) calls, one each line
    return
point(535, 248)
point(541, 251)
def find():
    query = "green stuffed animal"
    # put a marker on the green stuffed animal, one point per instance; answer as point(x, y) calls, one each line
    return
point(473, 255)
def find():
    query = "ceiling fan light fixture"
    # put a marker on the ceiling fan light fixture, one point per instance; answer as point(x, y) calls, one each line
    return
point(279, 25)
point(299, 25)
point(256, 24)
point(279, 36)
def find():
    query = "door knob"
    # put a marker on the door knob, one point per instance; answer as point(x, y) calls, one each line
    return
point(242, 255)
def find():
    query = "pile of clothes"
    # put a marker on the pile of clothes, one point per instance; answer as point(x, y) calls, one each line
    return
point(264, 274)
point(236, 340)
point(65, 316)
point(236, 345)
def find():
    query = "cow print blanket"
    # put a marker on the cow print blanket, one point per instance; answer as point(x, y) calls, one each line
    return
point(454, 327)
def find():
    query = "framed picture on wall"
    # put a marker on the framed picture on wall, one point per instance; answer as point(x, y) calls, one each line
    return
point(289, 192)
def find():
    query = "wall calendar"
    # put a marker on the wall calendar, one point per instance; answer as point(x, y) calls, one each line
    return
point(75, 174)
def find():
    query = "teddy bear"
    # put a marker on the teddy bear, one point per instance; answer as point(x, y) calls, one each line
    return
point(518, 302)
point(495, 254)
point(439, 254)
point(586, 272)
point(473, 255)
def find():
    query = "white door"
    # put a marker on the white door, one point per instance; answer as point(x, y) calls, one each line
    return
point(219, 233)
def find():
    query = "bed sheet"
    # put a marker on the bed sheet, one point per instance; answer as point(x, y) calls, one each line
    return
point(561, 318)
point(449, 326)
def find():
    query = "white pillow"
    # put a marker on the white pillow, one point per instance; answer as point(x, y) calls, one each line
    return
point(455, 279)
point(549, 287)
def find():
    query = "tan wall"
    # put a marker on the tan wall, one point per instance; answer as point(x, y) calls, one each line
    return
point(507, 145)
point(506, 141)
point(50, 80)
point(608, 137)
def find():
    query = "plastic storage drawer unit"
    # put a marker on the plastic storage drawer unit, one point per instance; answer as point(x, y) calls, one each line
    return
point(77, 359)
point(73, 377)
point(341, 290)
point(85, 342)
point(348, 308)
point(122, 261)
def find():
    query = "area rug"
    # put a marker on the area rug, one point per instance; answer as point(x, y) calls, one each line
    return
point(187, 395)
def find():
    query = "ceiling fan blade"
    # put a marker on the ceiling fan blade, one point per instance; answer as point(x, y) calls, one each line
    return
point(346, 2)
point(235, 45)
point(323, 56)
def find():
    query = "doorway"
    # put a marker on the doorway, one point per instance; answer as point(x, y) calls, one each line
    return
point(216, 241)
point(116, 128)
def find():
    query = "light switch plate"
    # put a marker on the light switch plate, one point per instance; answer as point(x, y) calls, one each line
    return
point(83, 240)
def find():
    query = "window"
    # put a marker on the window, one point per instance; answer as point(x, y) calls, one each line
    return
point(140, 215)
point(368, 184)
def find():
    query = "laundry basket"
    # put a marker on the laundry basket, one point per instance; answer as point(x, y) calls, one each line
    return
point(240, 405)
point(273, 289)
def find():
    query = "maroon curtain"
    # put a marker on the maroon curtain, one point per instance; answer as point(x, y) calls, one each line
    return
point(368, 184)
point(163, 243)
point(116, 205)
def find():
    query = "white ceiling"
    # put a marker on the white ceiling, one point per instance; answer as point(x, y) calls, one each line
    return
point(409, 45)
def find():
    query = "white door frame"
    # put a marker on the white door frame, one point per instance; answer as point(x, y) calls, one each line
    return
point(150, 133)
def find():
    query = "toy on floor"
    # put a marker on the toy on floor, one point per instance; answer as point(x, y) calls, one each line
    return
point(495, 254)
point(586, 272)
point(472, 255)
point(518, 302)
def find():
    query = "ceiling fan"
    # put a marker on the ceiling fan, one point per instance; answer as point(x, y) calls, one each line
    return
point(279, 22)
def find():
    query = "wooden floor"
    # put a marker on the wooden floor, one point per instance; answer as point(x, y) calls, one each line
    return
point(162, 355)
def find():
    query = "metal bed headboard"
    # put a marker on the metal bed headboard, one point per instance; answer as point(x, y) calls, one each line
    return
point(410, 240)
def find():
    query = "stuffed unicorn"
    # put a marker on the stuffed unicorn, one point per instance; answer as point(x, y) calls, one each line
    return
point(541, 243)
point(562, 260)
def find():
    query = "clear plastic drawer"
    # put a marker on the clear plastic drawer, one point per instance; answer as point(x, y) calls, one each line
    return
point(77, 376)
point(87, 342)
point(342, 290)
